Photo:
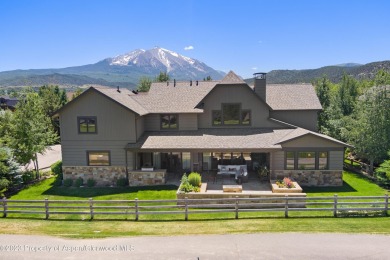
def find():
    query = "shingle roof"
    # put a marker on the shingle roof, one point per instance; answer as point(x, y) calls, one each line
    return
point(123, 97)
point(222, 139)
point(300, 132)
point(292, 97)
point(178, 98)
point(212, 139)
point(232, 78)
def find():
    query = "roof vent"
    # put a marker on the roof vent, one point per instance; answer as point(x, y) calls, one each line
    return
point(135, 91)
point(167, 83)
point(174, 82)
point(197, 83)
point(190, 83)
point(118, 89)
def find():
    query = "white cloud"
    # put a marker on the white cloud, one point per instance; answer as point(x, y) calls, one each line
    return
point(254, 68)
point(187, 48)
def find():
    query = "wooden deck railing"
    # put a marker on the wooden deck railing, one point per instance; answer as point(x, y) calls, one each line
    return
point(336, 205)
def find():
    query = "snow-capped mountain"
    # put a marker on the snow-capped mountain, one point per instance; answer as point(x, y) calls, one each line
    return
point(160, 59)
point(123, 70)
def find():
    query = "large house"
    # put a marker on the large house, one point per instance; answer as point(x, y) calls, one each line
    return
point(109, 133)
point(8, 103)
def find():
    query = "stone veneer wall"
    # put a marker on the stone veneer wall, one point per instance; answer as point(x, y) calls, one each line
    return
point(311, 177)
point(108, 175)
point(141, 178)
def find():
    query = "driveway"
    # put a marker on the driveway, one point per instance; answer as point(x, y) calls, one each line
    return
point(240, 246)
point(46, 159)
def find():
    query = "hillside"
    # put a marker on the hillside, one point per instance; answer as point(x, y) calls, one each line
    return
point(334, 73)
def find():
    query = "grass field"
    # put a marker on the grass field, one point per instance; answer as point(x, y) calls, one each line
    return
point(221, 223)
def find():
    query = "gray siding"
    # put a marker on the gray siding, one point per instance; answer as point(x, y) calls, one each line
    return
point(186, 122)
point(336, 160)
point(115, 128)
point(303, 118)
point(140, 121)
point(235, 94)
point(277, 159)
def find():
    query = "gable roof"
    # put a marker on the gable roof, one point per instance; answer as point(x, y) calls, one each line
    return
point(121, 97)
point(292, 97)
point(232, 78)
point(301, 132)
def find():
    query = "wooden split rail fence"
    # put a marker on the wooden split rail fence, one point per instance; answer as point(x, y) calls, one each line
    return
point(286, 204)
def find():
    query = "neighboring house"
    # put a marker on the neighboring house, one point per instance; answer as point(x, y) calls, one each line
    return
point(197, 125)
point(8, 103)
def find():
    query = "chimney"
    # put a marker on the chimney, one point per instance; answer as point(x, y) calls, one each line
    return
point(174, 82)
point(190, 83)
point(197, 83)
point(118, 89)
point(260, 85)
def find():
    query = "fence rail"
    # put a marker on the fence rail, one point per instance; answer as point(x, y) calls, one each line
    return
point(185, 207)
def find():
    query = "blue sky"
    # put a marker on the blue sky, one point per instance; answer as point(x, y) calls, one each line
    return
point(244, 36)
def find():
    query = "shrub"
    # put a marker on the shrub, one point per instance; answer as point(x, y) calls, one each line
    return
point(28, 177)
point(68, 182)
point(121, 182)
point(78, 182)
point(57, 182)
point(56, 167)
point(91, 182)
point(3, 184)
point(195, 179)
point(285, 183)
point(187, 185)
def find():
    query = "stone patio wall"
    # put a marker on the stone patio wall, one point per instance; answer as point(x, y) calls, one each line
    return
point(108, 175)
point(311, 177)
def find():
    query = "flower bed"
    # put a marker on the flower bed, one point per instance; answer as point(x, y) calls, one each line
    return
point(285, 186)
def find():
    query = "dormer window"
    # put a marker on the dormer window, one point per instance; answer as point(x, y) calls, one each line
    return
point(169, 121)
point(87, 124)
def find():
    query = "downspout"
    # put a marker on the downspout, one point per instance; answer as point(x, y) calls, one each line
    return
point(127, 171)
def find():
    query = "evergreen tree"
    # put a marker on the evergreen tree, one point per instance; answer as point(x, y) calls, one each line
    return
point(144, 84)
point(162, 77)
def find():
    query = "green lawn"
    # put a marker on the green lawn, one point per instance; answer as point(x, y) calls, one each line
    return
point(77, 226)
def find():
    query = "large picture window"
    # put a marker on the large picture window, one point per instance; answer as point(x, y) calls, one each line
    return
point(98, 158)
point(169, 121)
point(230, 115)
point(306, 161)
point(87, 125)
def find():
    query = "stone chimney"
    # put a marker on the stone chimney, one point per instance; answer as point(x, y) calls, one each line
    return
point(260, 84)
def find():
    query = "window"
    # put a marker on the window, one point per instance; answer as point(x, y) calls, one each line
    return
point(169, 122)
point(306, 161)
point(323, 160)
point(186, 160)
point(246, 117)
point(231, 114)
point(217, 117)
point(87, 125)
point(290, 161)
point(98, 158)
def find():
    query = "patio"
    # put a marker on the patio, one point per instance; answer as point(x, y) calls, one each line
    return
point(216, 182)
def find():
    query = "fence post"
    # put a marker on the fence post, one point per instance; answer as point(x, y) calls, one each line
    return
point(5, 207)
point(286, 207)
point(91, 207)
point(386, 204)
point(186, 208)
point(47, 208)
point(335, 206)
point(136, 209)
point(236, 207)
